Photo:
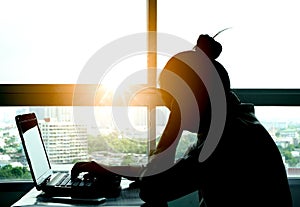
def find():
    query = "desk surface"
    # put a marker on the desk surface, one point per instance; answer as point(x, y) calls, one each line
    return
point(128, 197)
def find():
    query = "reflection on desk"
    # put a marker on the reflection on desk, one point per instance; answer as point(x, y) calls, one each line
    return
point(128, 197)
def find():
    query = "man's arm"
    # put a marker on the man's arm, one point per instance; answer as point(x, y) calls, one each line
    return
point(166, 147)
point(129, 172)
point(180, 180)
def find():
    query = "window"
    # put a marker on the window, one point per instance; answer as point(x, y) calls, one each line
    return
point(68, 141)
point(44, 47)
point(259, 49)
point(259, 57)
point(51, 41)
point(283, 124)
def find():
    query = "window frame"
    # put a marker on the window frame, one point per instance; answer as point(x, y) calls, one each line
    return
point(62, 94)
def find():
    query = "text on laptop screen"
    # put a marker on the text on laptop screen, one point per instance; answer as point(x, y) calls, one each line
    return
point(36, 153)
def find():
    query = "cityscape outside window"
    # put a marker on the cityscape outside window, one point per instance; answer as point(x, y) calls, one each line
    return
point(67, 142)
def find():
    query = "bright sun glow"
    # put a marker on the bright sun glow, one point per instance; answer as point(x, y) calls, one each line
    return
point(130, 71)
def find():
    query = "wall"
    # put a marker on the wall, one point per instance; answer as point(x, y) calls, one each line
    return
point(13, 191)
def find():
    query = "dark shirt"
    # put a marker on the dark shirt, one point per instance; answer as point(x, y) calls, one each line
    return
point(245, 169)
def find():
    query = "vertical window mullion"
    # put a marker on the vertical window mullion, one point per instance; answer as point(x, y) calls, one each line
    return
point(152, 65)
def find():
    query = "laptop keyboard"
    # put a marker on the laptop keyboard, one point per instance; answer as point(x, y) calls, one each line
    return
point(65, 181)
point(81, 183)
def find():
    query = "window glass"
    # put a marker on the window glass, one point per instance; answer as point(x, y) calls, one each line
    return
point(261, 48)
point(109, 142)
point(187, 138)
point(68, 140)
point(51, 41)
point(283, 124)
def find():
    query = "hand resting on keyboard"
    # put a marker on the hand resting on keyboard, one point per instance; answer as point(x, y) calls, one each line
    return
point(99, 180)
point(89, 167)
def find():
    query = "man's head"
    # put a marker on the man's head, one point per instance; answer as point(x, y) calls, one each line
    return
point(209, 46)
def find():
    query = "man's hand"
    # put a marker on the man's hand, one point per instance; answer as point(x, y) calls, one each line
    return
point(92, 168)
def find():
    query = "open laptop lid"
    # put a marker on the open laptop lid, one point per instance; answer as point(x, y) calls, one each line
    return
point(34, 148)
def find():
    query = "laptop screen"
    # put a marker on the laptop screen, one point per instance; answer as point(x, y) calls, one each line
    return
point(34, 148)
point(36, 153)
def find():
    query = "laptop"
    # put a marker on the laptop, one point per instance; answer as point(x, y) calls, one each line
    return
point(55, 185)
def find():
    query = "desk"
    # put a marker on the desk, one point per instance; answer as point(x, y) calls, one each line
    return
point(128, 197)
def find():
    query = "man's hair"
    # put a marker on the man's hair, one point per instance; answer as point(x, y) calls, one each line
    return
point(209, 46)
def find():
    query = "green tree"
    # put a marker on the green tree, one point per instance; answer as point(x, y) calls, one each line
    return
point(127, 160)
point(9, 172)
